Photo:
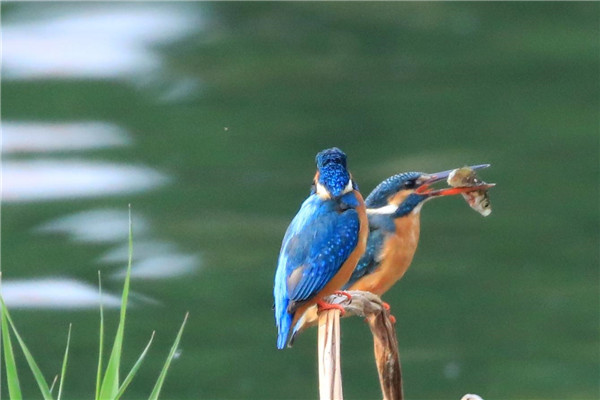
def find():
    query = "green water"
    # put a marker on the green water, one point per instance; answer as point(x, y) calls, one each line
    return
point(506, 306)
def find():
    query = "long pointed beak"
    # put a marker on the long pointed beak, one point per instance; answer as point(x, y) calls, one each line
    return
point(443, 175)
point(459, 190)
point(439, 176)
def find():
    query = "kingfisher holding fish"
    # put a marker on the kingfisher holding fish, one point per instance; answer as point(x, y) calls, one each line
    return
point(322, 245)
point(393, 211)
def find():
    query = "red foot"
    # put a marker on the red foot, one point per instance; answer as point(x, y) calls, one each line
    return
point(387, 307)
point(328, 306)
point(342, 293)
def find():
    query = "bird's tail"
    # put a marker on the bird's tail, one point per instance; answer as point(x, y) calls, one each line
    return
point(298, 327)
point(308, 319)
point(284, 323)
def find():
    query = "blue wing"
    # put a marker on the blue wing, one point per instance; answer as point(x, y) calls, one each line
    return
point(316, 244)
point(380, 226)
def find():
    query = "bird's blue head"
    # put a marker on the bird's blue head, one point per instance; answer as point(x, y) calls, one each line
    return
point(395, 189)
point(332, 179)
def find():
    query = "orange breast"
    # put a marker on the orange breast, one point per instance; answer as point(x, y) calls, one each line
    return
point(349, 265)
point(398, 252)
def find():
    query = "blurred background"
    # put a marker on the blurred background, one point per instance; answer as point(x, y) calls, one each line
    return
point(206, 117)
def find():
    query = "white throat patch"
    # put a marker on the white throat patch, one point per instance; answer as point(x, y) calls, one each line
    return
point(388, 209)
point(323, 193)
point(349, 187)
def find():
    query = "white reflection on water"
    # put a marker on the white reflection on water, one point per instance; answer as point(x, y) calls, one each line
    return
point(96, 41)
point(153, 259)
point(54, 180)
point(164, 266)
point(54, 293)
point(22, 137)
point(96, 226)
point(142, 249)
point(88, 41)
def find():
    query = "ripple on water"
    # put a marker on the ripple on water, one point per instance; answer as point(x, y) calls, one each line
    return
point(169, 265)
point(43, 180)
point(46, 137)
point(96, 226)
point(54, 293)
point(123, 38)
point(153, 259)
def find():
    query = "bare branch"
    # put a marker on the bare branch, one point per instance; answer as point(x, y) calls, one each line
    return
point(365, 304)
point(330, 370)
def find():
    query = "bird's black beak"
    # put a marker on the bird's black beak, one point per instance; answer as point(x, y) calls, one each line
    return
point(430, 179)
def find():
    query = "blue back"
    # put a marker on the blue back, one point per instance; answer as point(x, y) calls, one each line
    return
point(315, 246)
point(318, 241)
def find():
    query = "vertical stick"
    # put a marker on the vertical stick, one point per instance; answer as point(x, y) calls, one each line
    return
point(330, 375)
point(386, 355)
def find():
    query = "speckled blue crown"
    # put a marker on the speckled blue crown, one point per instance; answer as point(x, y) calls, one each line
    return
point(332, 170)
point(379, 195)
point(333, 155)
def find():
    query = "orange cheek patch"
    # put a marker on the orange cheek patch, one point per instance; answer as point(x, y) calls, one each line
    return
point(398, 197)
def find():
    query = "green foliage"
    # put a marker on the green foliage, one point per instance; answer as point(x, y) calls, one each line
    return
point(14, 389)
point(100, 341)
point(64, 365)
point(37, 373)
point(134, 369)
point(163, 372)
point(108, 385)
point(110, 382)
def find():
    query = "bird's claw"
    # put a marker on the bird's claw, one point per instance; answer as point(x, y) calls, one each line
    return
point(387, 308)
point(342, 293)
point(322, 305)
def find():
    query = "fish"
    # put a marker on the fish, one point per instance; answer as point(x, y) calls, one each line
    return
point(478, 200)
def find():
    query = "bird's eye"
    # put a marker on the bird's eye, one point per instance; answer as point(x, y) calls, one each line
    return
point(410, 184)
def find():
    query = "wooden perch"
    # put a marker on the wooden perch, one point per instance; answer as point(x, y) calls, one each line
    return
point(370, 306)
point(330, 371)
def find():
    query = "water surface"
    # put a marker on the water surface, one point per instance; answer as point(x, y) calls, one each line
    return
point(206, 117)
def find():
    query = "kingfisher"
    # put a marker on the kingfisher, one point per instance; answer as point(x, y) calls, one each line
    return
point(322, 244)
point(393, 211)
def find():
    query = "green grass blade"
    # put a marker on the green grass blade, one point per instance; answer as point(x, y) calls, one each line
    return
point(134, 369)
point(64, 365)
point(12, 379)
point(37, 373)
point(100, 341)
point(53, 383)
point(163, 373)
point(110, 382)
